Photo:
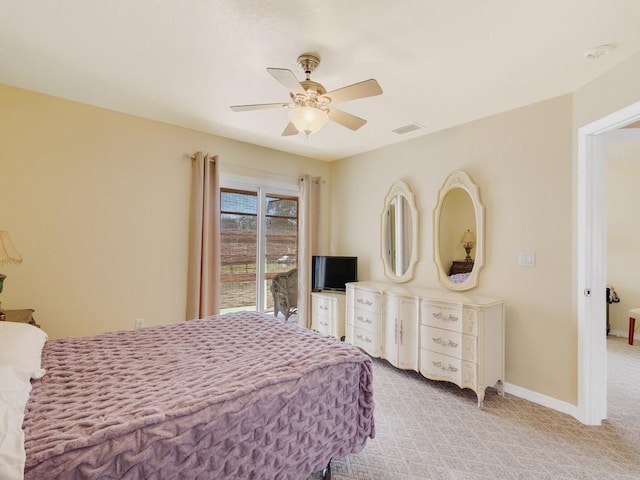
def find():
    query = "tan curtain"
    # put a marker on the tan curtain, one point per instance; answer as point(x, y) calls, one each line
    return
point(309, 197)
point(203, 285)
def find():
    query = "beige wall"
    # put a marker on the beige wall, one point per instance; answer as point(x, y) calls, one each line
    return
point(97, 203)
point(525, 164)
point(522, 162)
point(616, 89)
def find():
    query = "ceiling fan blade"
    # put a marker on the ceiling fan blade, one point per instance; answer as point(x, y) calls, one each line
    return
point(368, 88)
point(288, 79)
point(289, 130)
point(257, 106)
point(346, 119)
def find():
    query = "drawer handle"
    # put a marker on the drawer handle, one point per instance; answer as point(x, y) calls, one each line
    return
point(363, 301)
point(439, 341)
point(326, 324)
point(364, 320)
point(364, 339)
point(449, 367)
point(451, 317)
point(322, 307)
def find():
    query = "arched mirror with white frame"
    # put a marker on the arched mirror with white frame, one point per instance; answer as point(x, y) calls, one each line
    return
point(399, 228)
point(458, 233)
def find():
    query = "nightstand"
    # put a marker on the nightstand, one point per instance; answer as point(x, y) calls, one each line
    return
point(461, 266)
point(20, 316)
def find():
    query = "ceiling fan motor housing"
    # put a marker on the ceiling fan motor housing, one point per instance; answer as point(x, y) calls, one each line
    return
point(308, 62)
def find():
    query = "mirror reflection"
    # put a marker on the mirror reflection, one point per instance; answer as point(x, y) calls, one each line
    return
point(399, 233)
point(398, 244)
point(457, 218)
point(458, 228)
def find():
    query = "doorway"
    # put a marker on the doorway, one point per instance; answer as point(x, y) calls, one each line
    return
point(591, 261)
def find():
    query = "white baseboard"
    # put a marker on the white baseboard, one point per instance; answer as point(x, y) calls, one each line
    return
point(620, 333)
point(540, 399)
point(550, 402)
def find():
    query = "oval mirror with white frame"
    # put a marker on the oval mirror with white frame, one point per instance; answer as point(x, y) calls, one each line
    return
point(399, 233)
point(458, 233)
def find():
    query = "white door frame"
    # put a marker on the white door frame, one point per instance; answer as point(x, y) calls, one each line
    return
point(592, 268)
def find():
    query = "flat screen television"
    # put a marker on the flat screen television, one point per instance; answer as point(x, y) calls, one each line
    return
point(333, 272)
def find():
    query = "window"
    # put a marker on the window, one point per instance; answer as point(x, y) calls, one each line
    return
point(259, 238)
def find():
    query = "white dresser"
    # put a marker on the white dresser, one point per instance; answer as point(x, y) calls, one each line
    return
point(445, 336)
point(327, 313)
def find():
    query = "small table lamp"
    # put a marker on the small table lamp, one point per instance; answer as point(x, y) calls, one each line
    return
point(8, 254)
point(468, 240)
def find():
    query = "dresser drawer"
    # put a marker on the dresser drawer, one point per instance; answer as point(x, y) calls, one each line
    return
point(321, 314)
point(367, 340)
point(443, 367)
point(324, 325)
point(450, 343)
point(365, 320)
point(367, 300)
point(322, 306)
point(450, 317)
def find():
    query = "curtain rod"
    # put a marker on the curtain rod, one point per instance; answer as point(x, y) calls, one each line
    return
point(251, 169)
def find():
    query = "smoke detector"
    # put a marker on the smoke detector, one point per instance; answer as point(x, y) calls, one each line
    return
point(597, 52)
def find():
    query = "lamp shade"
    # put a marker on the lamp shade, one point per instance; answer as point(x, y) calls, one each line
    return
point(308, 120)
point(8, 253)
point(468, 238)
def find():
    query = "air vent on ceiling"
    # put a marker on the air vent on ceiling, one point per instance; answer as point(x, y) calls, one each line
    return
point(407, 128)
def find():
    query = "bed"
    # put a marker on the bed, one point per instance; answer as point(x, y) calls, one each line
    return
point(459, 277)
point(235, 396)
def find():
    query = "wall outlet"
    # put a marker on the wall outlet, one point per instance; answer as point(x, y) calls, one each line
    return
point(527, 259)
point(139, 323)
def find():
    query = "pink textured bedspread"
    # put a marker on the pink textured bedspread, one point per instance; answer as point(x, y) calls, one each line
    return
point(229, 397)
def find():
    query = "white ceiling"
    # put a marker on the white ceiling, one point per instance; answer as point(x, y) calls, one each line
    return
point(440, 62)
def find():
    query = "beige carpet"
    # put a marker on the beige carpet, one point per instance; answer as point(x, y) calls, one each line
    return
point(433, 430)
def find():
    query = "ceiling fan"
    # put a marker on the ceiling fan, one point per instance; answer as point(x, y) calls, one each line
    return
point(312, 106)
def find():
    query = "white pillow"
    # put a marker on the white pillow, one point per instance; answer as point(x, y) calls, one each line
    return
point(21, 346)
point(15, 386)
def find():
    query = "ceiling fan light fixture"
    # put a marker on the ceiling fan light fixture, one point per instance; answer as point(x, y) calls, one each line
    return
point(311, 106)
point(308, 120)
